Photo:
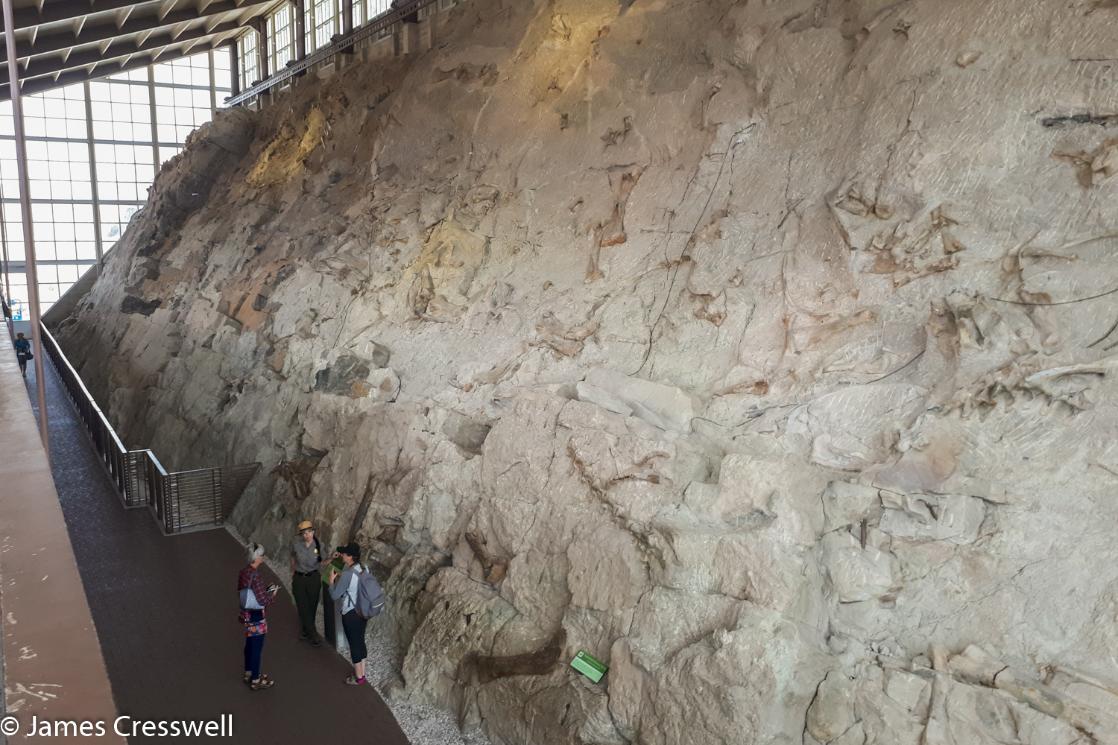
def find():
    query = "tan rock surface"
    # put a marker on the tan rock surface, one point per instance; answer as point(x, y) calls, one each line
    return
point(764, 350)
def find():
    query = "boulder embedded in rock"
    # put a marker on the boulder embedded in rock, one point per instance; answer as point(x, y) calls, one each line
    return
point(955, 518)
point(346, 377)
point(468, 434)
point(663, 406)
point(846, 504)
point(352, 376)
point(857, 573)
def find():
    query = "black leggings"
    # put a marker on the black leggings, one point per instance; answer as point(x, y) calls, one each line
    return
point(354, 627)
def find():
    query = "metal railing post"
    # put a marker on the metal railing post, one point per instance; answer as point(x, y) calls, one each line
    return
point(216, 496)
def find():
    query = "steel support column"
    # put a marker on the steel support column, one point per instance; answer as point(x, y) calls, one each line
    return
point(154, 123)
point(300, 9)
point(347, 17)
point(98, 246)
point(261, 26)
point(213, 91)
point(234, 70)
point(7, 264)
point(25, 208)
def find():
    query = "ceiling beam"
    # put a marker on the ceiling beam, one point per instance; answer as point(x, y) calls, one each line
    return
point(144, 36)
point(49, 65)
point(122, 17)
point(65, 10)
point(165, 8)
point(190, 46)
point(99, 71)
point(179, 30)
point(55, 41)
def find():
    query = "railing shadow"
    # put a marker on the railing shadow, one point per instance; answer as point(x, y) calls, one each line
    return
point(180, 501)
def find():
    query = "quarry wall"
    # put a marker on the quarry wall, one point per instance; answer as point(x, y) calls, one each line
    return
point(765, 350)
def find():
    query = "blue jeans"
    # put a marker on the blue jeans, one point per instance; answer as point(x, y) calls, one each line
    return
point(254, 651)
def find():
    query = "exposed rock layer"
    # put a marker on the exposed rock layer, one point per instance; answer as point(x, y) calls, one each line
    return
point(765, 350)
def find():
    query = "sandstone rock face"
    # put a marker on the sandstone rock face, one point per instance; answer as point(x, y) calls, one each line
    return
point(764, 350)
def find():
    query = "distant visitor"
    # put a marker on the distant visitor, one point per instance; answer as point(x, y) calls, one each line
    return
point(255, 598)
point(23, 353)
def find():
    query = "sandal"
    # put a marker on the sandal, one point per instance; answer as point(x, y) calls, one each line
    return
point(261, 683)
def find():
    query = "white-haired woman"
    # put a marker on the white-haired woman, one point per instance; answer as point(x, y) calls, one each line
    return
point(255, 598)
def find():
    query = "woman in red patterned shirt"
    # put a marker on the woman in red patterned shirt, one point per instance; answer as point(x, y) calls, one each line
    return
point(255, 597)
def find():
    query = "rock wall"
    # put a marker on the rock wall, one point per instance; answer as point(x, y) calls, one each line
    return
point(765, 350)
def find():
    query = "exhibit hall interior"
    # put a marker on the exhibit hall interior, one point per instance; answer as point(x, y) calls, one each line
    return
point(560, 372)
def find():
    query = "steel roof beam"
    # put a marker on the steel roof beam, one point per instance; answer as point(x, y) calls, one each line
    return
point(53, 65)
point(39, 85)
point(137, 23)
point(66, 10)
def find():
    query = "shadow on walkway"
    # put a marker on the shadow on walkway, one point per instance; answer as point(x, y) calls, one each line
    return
point(165, 608)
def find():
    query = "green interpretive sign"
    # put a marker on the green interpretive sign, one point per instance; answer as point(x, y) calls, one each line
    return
point(589, 666)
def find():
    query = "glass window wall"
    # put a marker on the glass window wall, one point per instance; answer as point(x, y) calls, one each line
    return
point(246, 50)
point(280, 37)
point(95, 171)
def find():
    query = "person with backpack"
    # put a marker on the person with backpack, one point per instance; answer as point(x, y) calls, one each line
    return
point(254, 599)
point(360, 598)
point(23, 353)
point(306, 579)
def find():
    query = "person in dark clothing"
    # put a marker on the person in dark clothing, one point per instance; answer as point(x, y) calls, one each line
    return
point(306, 579)
point(23, 353)
point(255, 598)
point(343, 588)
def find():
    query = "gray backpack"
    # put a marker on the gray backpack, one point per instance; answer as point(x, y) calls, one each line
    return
point(370, 596)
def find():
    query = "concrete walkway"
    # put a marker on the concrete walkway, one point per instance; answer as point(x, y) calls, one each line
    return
point(165, 609)
point(53, 668)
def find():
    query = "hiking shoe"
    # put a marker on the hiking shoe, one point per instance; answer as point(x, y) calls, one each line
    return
point(261, 683)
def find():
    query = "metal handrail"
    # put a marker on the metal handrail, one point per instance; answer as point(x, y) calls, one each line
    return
point(70, 373)
point(179, 500)
point(337, 45)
